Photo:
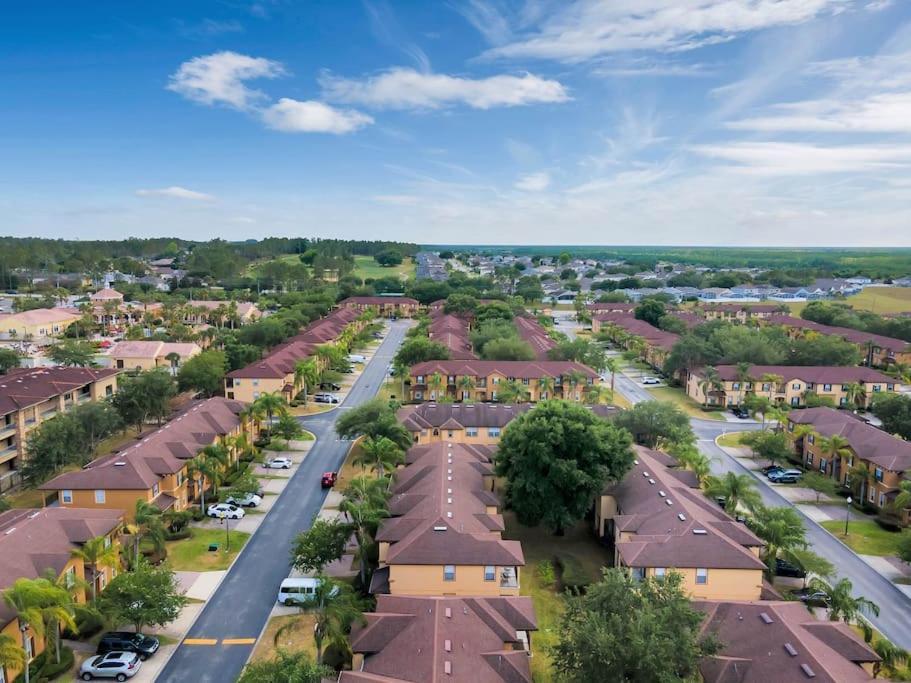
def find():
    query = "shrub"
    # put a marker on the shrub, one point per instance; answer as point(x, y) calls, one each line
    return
point(572, 573)
point(177, 535)
point(198, 514)
point(52, 669)
point(888, 521)
point(88, 623)
point(546, 574)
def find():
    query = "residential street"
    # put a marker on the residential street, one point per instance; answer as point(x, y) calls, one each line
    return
point(240, 607)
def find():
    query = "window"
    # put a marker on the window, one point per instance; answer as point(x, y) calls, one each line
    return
point(877, 388)
point(449, 572)
point(525, 381)
point(843, 401)
point(823, 465)
point(155, 490)
point(660, 572)
point(827, 387)
point(811, 438)
point(69, 577)
point(255, 382)
point(99, 496)
point(493, 431)
point(471, 431)
point(66, 497)
point(766, 387)
point(796, 386)
point(809, 458)
point(872, 494)
point(419, 379)
point(255, 395)
point(702, 576)
point(638, 573)
point(882, 500)
point(490, 573)
point(790, 426)
point(735, 386)
point(878, 474)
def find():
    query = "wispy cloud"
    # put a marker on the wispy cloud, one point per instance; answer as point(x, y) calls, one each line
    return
point(176, 192)
point(408, 89)
point(882, 113)
point(580, 30)
point(208, 28)
point(294, 116)
point(533, 182)
point(785, 158)
point(387, 30)
point(219, 78)
point(488, 19)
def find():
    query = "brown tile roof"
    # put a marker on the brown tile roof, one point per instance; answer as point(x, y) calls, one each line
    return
point(689, 531)
point(652, 335)
point(380, 300)
point(32, 541)
point(519, 369)
point(451, 331)
point(434, 639)
point(868, 442)
point(40, 315)
point(854, 336)
point(751, 308)
point(23, 387)
point(142, 465)
point(243, 307)
point(817, 374)
point(151, 349)
point(423, 416)
point(787, 645)
point(534, 334)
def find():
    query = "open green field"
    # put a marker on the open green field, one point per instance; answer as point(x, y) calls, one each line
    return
point(365, 267)
point(866, 538)
point(684, 402)
point(882, 299)
point(253, 268)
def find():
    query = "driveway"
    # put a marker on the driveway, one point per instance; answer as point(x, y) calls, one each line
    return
point(220, 641)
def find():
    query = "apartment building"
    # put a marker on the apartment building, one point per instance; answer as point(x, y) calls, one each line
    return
point(147, 355)
point(875, 349)
point(443, 533)
point(38, 323)
point(781, 642)
point(451, 331)
point(739, 313)
point(481, 380)
point(533, 333)
point(154, 468)
point(656, 520)
point(434, 638)
point(832, 382)
point(385, 306)
point(221, 313)
point(471, 423)
point(618, 307)
point(28, 396)
point(34, 541)
point(625, 330)
point(275, 372)
point(886, 457)
point(109, 309)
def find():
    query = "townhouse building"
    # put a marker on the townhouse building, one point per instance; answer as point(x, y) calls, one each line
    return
point(147, 355)
point(275, 372)
point(154, 469)
point(29, 396)
point(417, 639)
point(470, 423)
point(109, 309)
point(385, 306)
point(443, 533)
point(533, 333)
point(739, 313)
point(482, 380)
point(790, 385)
point(37, 324)
point(33, 542)
point(221, 313)
point(876, 349)
point(629, 332)
point(782, 642)
point(451, 331)
point(618, 307)
point(656, 520)
point(885, 457)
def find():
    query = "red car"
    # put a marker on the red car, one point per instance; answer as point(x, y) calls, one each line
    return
point(329, 479)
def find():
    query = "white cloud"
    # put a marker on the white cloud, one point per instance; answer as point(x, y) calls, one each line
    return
point(294, 116)
point(176, 192)
point(219, 78)
point(784, 158)
point(487, 19)
point(883, 113)
point(406, 89)
point(533, 182)
point(583, 29)
point(878, 5)
point(207, 28)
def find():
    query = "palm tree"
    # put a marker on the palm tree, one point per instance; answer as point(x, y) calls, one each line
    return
point(736, 489)
point(173, 358)
point(25, 599)
point(199, 469)
point(891, 657)
point(612, 365)
point(575, 378)
point(436, 383)
point(271, 404)
point(594, 393)
point(744, 377)
point(858, 479)
point(711, 381)
point(334, 608)
point(545, 386)
point(854, 394)
point(902, 372)
point(835, 446)
point(147, 524)
point(57, 611)
point(693, 460)
point(364, 503)
point(97, 552)
point(777, 414)
point(11, 655)
point(903, 497)
point(216, 455)
point(782, 530)
point(306, 375)
point(513, 391)
point(842, 604)
point(773, 381)
point(382, 454)
point(466, 385)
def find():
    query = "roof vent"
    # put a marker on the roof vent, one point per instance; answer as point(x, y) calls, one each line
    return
point(766, 618)
point(449, 491)
point(447, 668)
point(449, 515)
point(440, 528)
point(669, 501)
point(804, 667)
point(681, 516)
point(662, 494)
point(790, 649)
point(447, 645)
point(700, 532)
point(120, 463)
point(448, 612)
point(449, 478)
point(651, 481)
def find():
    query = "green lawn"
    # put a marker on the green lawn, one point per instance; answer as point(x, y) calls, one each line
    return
point(684, 402)
point(540, 545)
point(193, 555)
point(365, 267)
point(866, 538)
point(882, 299)
point(731, 439)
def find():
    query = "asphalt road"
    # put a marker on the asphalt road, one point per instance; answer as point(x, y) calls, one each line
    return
point(241, 605)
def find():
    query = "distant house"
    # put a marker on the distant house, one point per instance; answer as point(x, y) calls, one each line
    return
point(145, 355)
point(37, 323)
point(386, 306)
point(219, 313)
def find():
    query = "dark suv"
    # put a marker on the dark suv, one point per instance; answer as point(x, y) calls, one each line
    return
point(124, 641)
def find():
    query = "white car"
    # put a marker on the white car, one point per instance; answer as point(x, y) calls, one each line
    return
point(651, 380)
point(356, 358)
point(224, 510)
point(280, 463)
point(251, 500)
point(325, 398)
point(117, 665)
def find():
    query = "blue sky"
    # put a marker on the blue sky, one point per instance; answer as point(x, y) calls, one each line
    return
point(782, 122)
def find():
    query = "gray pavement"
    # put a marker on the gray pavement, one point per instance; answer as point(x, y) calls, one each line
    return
point(240, 607)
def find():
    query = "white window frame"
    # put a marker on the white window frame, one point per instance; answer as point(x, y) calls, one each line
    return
point(66, 497)
point(491, 571)
point(449, 573)
point(702, 579)
point(100, 497)
point(660, 572)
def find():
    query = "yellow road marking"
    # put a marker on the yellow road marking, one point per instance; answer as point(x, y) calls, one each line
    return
point(200, 641)
point(238, 641)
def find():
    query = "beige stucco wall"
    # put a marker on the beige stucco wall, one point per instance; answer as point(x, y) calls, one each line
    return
point(428, 580)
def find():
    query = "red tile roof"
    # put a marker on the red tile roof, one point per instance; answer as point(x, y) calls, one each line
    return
point(23, 387)
point(519, 369)
point(380, 301)
point(854, 336)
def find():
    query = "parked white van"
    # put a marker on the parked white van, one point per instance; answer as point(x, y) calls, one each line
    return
point(297, 589)
point(356, 358)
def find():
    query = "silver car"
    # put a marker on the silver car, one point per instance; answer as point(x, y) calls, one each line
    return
point(117, 665)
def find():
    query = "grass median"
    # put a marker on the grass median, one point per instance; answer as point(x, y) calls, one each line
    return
point(865, 537)
point(193, 554)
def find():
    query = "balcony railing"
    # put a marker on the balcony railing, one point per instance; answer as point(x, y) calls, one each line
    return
point(8, 453)
point(509, 578)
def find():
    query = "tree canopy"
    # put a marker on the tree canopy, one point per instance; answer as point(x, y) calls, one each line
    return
point(204, 372)
point(656, 424)
point(145, 596)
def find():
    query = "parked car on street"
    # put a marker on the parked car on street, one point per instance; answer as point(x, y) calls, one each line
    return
point(280, 463)
point(771, 468)
point(328, 479)
point(356, 358)
point(224, 510)
point(251, 500)
point(299, 590)
point(785, 568)
point(651, 380)
point(116, 665)
point(811, 598)
point(785, 477)
point(740, 412)
point(325, 398)
point(127, 641)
